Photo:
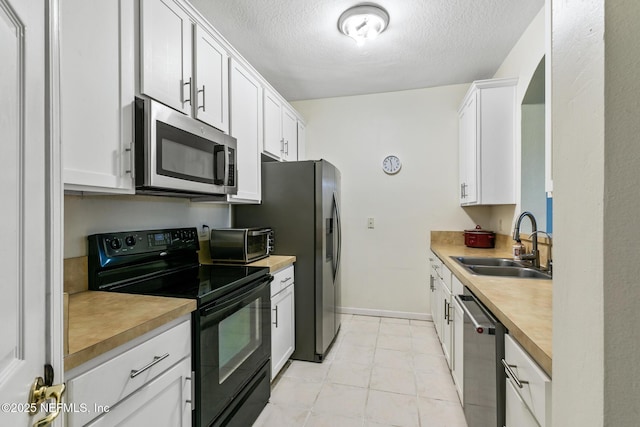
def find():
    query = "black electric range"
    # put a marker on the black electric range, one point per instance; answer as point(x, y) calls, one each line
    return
point(231, 331)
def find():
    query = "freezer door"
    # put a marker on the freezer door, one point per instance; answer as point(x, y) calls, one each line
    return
point(326, 299)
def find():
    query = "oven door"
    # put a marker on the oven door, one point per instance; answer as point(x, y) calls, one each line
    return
point(233, 337)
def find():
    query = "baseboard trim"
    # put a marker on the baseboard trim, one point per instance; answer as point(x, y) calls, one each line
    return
point(385, 313)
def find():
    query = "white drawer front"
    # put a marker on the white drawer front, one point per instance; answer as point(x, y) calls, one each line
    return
point(282, 279)
point(445, 273)
point(536, 385)
point(111, 381)
point(457, 288)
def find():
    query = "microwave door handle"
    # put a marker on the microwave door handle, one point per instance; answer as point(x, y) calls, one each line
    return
point(226, 165)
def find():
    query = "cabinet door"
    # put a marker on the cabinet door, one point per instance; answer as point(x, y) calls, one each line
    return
point(302, 141)
point(246, 127)
point(97, 88)
point(273, 141)
point(289, 134)
point(211, 81)
point(282, 329)
point(457, 363)
point(165, 401)
point(517, 413)
point(468, 152)
point(166, 44)
point(447, 324)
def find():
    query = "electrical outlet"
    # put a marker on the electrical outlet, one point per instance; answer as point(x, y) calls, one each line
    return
point(370, 223)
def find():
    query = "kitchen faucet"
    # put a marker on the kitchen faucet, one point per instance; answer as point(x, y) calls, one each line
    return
point(534, 256)
point(549, 259)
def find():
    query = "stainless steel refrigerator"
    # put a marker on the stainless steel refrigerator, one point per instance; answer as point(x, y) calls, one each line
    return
point(301, 203)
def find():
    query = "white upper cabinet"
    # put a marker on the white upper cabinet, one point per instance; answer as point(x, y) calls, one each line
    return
point(166, 46)
point(182, 65)
point(280, 128)
point(487, 143)
point(97, 88)
point(302, 141)
point(273, 140)
point(211, 81)
point(246, 127)
point(289, 134)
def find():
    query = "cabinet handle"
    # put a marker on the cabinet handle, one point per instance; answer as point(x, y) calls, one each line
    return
point(431, 280)
point(185, 100)
point(282, 145)
point(131, 152)
point(445, 311)
point(448, 312)
point(193, 390)
point(276, 310)
point(512, 375)
point(283, 281)
point(286, 147)
point(203, 106)
point(155, 361)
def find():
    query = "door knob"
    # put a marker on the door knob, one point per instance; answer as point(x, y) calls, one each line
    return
point(40, 392)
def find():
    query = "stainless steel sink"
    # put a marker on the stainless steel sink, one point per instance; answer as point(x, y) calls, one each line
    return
point(502, 267)
point(525, 272)
point(493, 262)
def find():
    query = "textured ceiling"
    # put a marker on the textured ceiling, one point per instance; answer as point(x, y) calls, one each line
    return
point(296, 45)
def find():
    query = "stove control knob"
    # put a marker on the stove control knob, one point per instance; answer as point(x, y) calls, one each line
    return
point(115, 243)
point(130, 240)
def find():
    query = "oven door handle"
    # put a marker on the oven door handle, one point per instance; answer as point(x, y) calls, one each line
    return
point(235, 297)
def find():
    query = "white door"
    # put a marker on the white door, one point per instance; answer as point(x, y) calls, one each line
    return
point(289, 134)
point(211, 81)
point(166, 53)
point(468, 152)
point(273, 142)
point(26, 259)
point(246, 127)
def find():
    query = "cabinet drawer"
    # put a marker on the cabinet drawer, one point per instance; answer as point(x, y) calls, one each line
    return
point(536, 385)
point(282, 279)
point(110, 382)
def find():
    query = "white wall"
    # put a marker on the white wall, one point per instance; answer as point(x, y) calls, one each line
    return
point(521, 62)
point(596, 158)
point(386, 268)
point(578, 70)
point(85, 215)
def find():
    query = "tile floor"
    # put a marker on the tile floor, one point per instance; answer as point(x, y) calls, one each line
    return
point(380, 372)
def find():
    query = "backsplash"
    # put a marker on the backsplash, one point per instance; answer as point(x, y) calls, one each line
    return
point(86, 215)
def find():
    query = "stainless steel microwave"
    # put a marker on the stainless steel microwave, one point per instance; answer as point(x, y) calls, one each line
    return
point(176, 155)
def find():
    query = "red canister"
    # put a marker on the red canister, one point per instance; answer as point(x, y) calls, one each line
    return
point(479, 238)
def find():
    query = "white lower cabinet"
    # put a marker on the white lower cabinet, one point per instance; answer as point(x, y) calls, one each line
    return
point(457, 362)
point(517, 414)
point(282, 319)
point(147, 381)
point(528, 391)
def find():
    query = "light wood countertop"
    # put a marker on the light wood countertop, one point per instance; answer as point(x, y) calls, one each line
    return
point(524, 306)
point(102, 321)
point(274, 262)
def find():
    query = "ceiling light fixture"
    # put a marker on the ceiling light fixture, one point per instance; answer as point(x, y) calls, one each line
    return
point(363, 22)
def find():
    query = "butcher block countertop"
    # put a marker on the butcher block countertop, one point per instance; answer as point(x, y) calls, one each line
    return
point(522, 305)
point(101, 321)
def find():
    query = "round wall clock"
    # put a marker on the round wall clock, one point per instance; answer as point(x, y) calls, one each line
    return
point(391, 165)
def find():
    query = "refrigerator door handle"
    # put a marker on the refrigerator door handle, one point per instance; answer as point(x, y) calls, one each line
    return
point(339, 231)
